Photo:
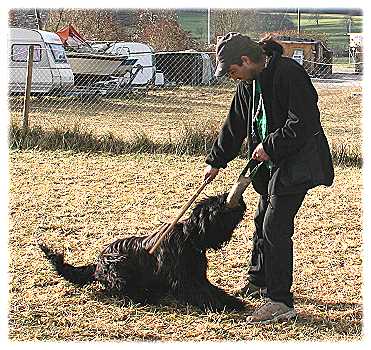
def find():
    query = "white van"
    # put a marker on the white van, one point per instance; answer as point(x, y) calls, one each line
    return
point(144, 68)
point(51, 71)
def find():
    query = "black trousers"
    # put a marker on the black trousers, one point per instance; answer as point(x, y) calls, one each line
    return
point(271, 263)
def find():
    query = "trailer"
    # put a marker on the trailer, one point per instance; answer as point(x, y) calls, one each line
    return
point(185, 67)
point(144, 69)
point(51, 72)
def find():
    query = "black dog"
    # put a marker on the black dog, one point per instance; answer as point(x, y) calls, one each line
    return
point(178, 266)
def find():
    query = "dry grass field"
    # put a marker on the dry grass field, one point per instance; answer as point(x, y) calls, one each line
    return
point(160, 114)
point(77, 202)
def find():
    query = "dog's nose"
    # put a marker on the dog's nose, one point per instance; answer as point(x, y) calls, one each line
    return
point(235, 207)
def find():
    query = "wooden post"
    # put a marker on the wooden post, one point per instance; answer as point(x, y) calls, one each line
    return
point(26, 105)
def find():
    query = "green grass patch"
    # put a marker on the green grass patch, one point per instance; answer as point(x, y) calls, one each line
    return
point(335, 26)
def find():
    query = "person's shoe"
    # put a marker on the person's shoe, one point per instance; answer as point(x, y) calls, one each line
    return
point(271, 311)
point(250, 290)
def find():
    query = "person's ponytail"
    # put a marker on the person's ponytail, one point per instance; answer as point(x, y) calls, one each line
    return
point(270, 46)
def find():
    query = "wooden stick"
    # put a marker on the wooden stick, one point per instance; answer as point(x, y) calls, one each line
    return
point(158, 231)
point(182, 211)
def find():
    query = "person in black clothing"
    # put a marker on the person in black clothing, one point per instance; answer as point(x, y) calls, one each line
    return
point(275, 108)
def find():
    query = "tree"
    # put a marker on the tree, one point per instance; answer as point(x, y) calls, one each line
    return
point(160, 29)
point(249, 22)
point(228, 20)
point(93, 24)
point(33, 18)
point(269, 22)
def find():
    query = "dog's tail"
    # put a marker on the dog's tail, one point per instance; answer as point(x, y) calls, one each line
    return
point(80, 275)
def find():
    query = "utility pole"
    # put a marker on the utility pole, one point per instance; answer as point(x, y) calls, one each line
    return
point(349, 24)
point(208, 26)
point(298, 20)
point(38, 19)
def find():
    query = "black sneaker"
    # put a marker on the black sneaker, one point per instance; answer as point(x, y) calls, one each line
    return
point(250, 290)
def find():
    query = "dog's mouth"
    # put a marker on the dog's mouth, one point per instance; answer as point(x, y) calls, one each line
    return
point(236, 207)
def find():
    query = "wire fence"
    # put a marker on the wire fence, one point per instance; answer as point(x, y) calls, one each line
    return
point(127, 88)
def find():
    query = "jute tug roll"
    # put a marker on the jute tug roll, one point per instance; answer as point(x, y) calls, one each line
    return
point(241, 184)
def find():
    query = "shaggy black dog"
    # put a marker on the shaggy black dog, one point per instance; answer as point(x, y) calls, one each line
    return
point(178, 266)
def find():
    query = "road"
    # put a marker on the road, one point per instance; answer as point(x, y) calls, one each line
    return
point(338, 80)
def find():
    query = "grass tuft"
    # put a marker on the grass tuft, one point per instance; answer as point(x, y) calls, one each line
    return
point(192, 141)
point(346, 155)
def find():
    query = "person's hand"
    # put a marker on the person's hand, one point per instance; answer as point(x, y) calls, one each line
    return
point(259, 154)
point(210, 173)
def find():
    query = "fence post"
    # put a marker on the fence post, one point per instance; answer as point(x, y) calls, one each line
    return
point(26, 105)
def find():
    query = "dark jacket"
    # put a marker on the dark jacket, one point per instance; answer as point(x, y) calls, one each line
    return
point(295, 143)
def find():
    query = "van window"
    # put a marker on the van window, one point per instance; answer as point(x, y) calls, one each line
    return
point(19, 53)
point(58, 52)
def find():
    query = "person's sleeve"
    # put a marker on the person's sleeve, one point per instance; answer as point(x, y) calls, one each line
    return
point(228, 143)
point(297, 91)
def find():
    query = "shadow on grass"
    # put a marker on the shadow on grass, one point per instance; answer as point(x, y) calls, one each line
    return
point(344, 318)
point(192, 141)
point(165, 303)
point(341, 318)
point(343, 154)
